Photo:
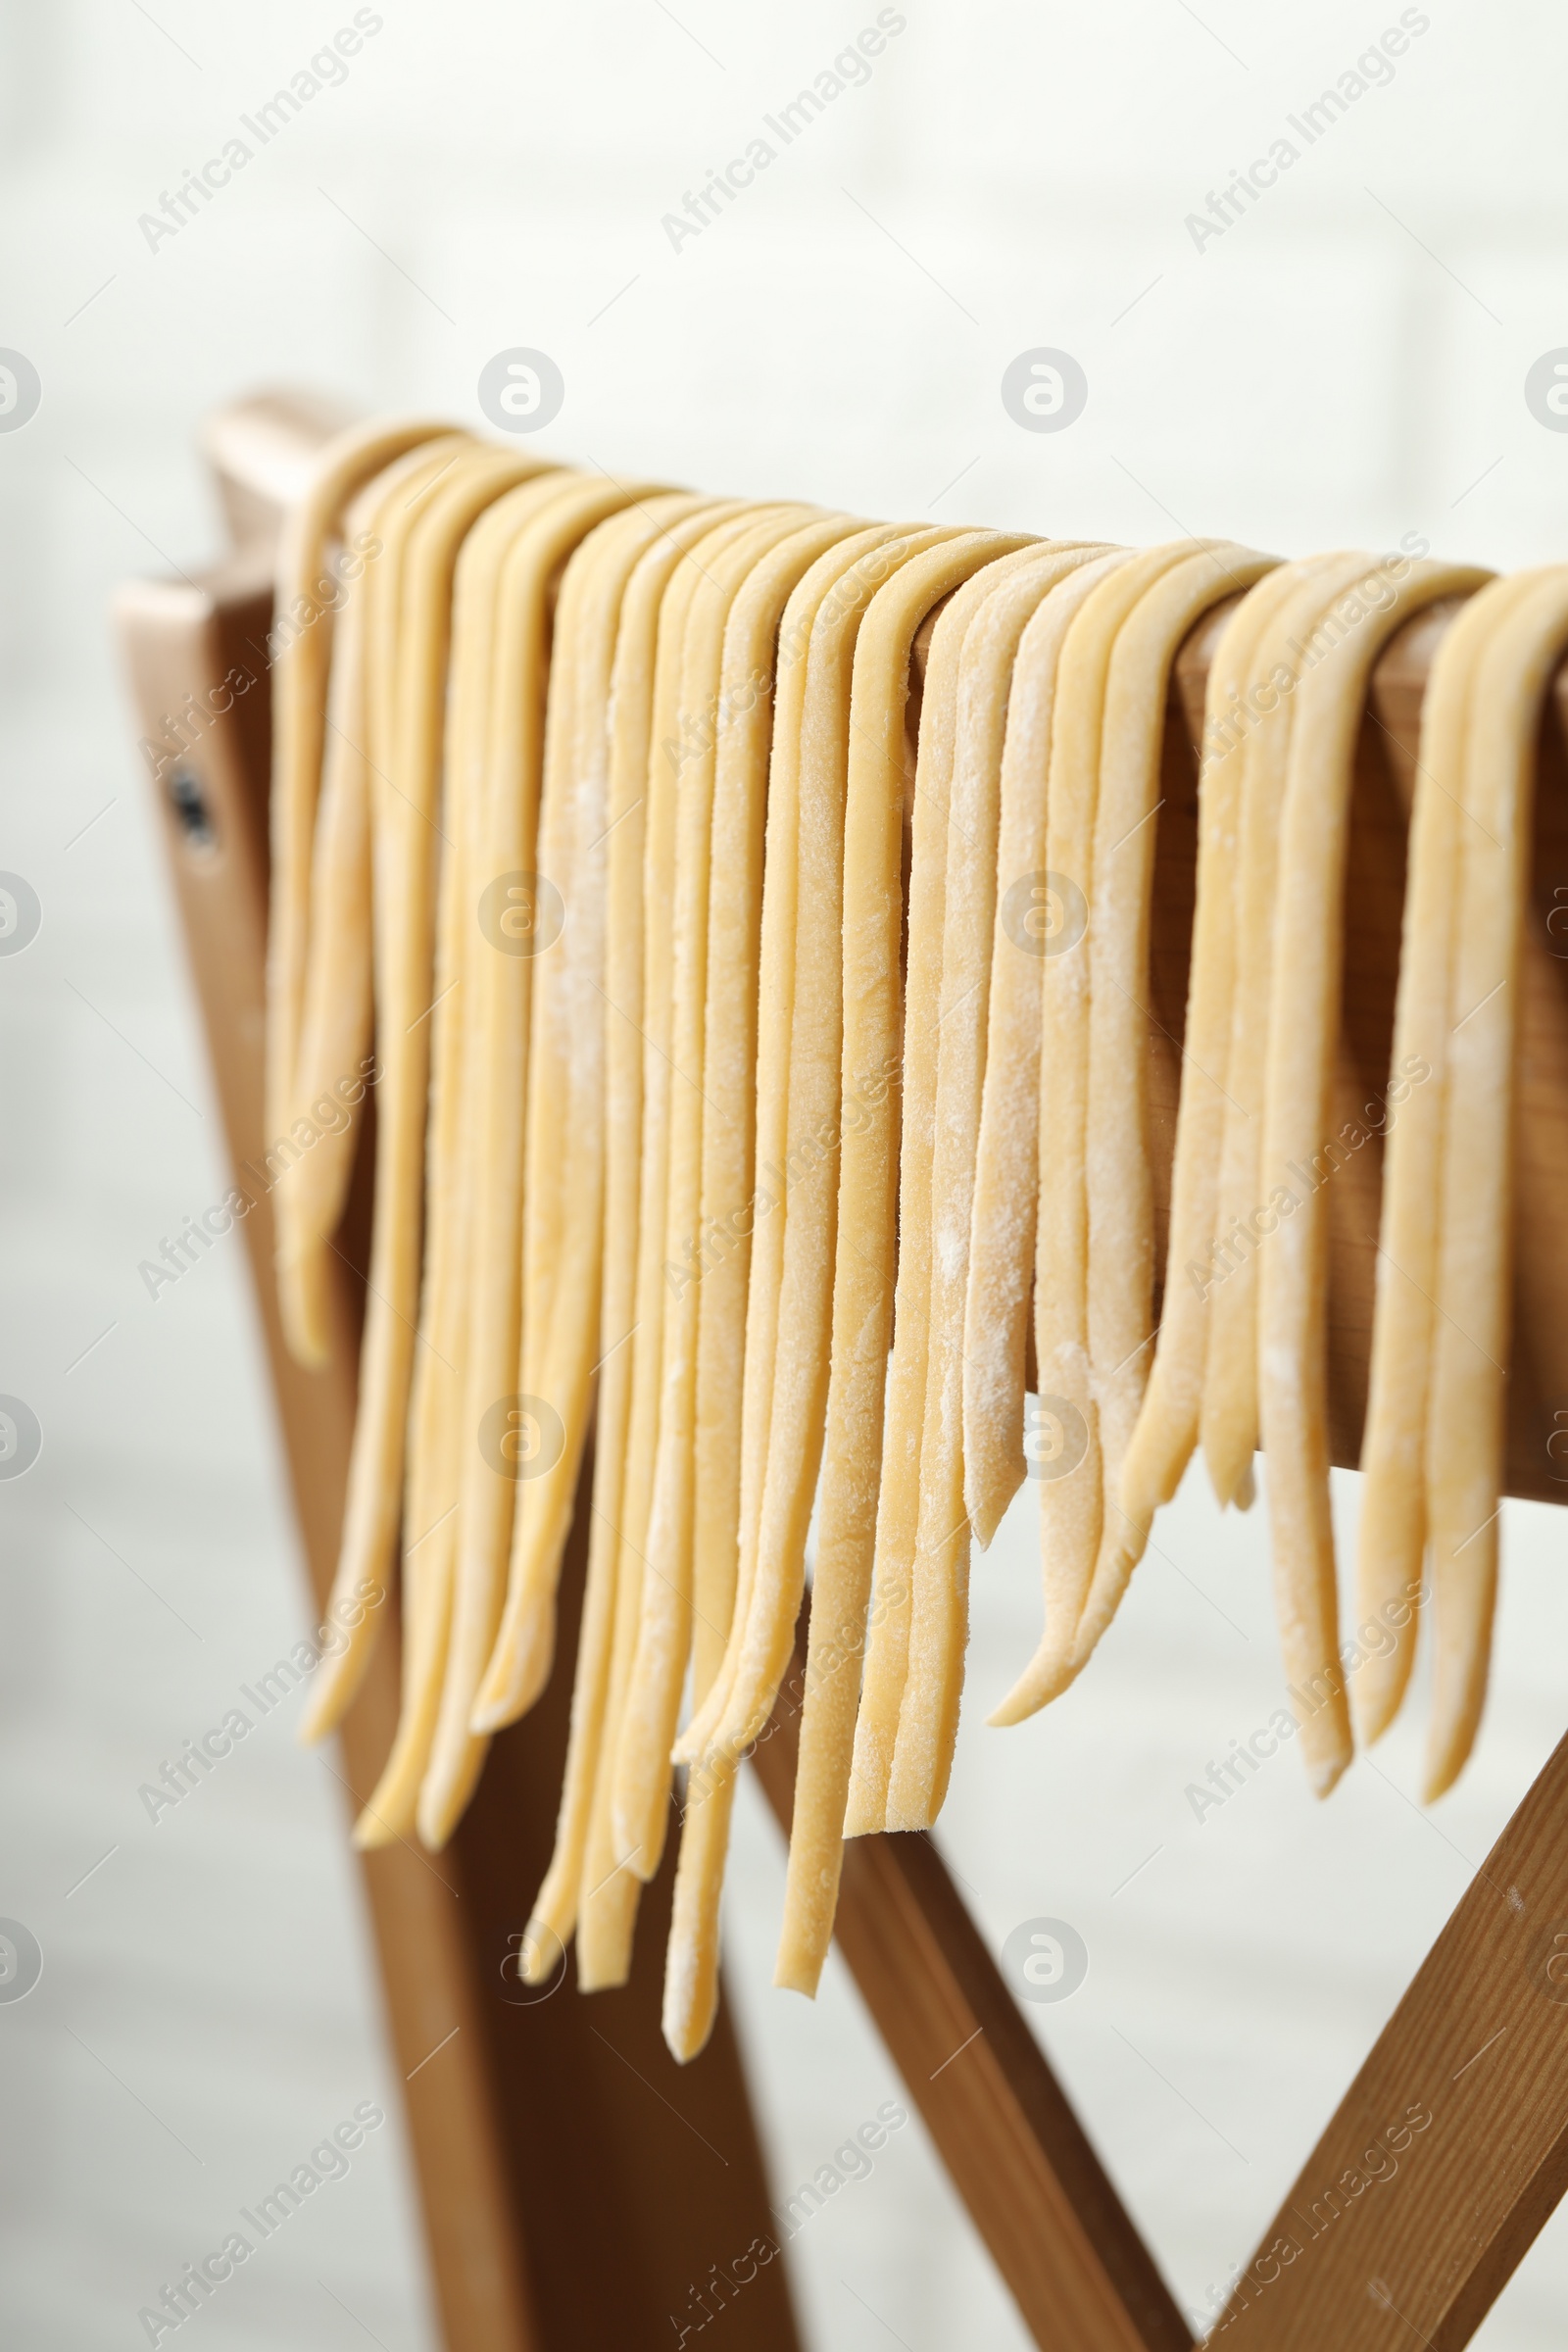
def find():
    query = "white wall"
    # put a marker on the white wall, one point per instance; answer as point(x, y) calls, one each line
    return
point(1343, 365)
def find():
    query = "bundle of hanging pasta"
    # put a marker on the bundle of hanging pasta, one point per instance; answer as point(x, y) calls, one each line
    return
point(746, 1069)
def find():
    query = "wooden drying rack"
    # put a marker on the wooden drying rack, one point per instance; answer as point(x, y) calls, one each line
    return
point(538, 2126)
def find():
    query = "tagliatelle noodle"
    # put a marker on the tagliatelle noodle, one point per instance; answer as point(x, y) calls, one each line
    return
point(838, 576)
point(326, 940)
point(1002, 1240)
point(1116, 1169)
point(1465, 1424)
point(1302, 1032)
point(1070, 1505)
point(928, 1713)
point(817, 1111)
point(730, 1203)
point(665, 1627)
point(508, 905)
point(564, 1178)
point(407, 644)
point(1166, 1434)
point(879, 779)
point(434, 1442)
point(899, 1500)
point(1228, 1418)
point(608, 1892)
point(298, 719)
point(1392, 1534)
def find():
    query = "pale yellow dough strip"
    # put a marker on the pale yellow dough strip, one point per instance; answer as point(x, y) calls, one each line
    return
point(336, 955)
point(1228, 1417)
point(616, 549)
point(730, 1208)
point(1391, 1534)
point(898, 1501)
point(1466, 1428)
point(1070, 1505)
point(1240, 695)
point(928, 1714)
point(839, 579)
point(410, 619)
point(516, 732)
point(1002, 1240)
point(1117, 1172)
point(608, 1893)
point(299, 724)
point(665, 1627)
point(1303, 1034)
point(430, 1504)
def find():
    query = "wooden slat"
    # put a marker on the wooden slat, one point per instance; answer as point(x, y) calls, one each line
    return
point(1018, 2156)
point(1451, 2148)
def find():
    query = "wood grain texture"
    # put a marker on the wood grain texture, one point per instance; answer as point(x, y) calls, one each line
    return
point(1017, 2155)
point(1451, 2148)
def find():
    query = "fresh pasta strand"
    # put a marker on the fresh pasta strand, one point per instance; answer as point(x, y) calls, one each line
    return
point(299, 716)
point(1465, 1424)
point(878, 779)
point(1228, 1420)
point(842, 573)
point(1390, 1539)
point(928, 1713)
point(1303, 1025)
point(609, 1891)
point(1166, 1434)
point(509, 904)
point(1121, 1219)
point(1002, 1243)
point(1070, 1503)
point(665, 1629)
point(427, 519)
point(731, 1202)
point(618, 547)
point(326, 941)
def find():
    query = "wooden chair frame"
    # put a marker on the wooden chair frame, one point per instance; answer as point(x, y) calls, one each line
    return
point(535, 2125)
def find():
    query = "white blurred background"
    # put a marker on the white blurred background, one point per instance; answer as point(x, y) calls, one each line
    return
point(1344, 363)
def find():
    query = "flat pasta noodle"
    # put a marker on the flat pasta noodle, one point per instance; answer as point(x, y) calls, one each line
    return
point(1392, 1534)
point(324, 943)
point(864, 1282)
point(608, 1892)
point(665, 1629)
point(1302, 1031)
point(1465, 1424)
point(408, 643)
point(733, 719)
point(1228, 1420)
point(887, 1651)
point(298, 716)
point(1166, 1434)
point(497, 1420)
point(841, 574)
point(928, 1713)
point(1002, 1240)
point(1116, 1170)
point(1072, 1515)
